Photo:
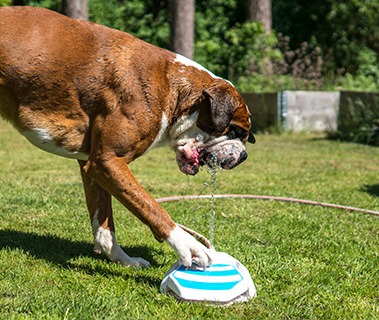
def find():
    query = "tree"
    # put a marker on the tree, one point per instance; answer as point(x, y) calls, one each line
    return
point(77, 9)
point(183, 27)
point(260, 11)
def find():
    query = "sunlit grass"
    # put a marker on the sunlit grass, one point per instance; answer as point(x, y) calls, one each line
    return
point(307, 262)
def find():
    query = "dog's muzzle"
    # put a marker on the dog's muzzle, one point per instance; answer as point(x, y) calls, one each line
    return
point(225, 155)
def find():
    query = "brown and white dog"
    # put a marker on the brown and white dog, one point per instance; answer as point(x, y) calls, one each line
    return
point(101, 96)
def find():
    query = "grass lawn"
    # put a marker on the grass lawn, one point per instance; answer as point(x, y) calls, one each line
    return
point(307, 262)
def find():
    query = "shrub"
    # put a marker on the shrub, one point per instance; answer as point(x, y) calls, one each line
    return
point(5, 2)
point(358, 120)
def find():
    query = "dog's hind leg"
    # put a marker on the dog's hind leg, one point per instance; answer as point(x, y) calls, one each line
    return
point(100, 211)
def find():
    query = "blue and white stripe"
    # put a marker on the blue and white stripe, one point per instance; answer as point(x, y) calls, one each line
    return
point(217, 277)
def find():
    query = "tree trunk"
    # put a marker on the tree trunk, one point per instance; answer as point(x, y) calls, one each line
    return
point(183, 27)
point(77, 9)
point(260, 10)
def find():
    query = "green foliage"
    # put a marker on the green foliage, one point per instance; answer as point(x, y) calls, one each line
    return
point(227, 43)
point(359, 121)
point(242, 47)
point(249, 49)
point(212, 23)
point(5, 2)
point(262, 83)
point(357, 83)
point(49, 4)
point(147, 20)
point(355, 29)
point(343, 29)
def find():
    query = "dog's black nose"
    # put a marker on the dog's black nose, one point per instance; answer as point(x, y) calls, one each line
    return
point(242, 158)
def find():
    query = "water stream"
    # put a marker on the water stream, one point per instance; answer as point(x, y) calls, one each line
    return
point(212, 169)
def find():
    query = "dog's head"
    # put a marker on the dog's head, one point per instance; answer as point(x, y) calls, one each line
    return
point(215, 130)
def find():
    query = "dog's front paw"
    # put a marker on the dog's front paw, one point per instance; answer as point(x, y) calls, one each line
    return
point(122, 258)
point(136, 262)
point(114, 253)
point(188, 249)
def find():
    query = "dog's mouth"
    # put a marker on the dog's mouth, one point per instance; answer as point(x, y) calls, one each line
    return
point(225, 154)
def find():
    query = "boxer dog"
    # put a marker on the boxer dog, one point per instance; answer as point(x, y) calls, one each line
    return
point(103, 97)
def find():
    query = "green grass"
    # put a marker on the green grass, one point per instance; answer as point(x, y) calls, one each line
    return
point(307, 262)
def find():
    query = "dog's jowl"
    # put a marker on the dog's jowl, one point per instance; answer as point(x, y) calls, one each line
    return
point(103, 97)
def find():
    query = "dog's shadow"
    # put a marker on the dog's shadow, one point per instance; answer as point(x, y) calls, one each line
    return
point(372, 189)
point(62, 252)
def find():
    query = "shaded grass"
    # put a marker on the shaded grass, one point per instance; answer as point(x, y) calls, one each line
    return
point(307, 262)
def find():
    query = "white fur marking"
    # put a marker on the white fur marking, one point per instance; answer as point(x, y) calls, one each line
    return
point(41, 138)
point(188, 62)
point(95, 226)
point(106, 240)
point(162, 134)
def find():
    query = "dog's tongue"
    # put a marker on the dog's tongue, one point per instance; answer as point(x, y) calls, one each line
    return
point(188, 160)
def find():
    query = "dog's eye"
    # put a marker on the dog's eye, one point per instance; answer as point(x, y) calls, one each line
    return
point(232, 134)
point(237, 133)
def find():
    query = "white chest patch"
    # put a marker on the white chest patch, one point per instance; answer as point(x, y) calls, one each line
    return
point(41, 139)
point(162, 134)
point(182, 125)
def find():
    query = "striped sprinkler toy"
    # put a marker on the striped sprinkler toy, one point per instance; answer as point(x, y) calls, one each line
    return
point(225, 282)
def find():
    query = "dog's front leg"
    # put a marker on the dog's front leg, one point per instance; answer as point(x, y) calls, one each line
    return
point(99, 206)
point(114, 175)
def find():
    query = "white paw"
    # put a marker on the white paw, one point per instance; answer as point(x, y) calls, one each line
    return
point(105, 242)
point(188, 249)
point(97, 249)
point(135, 262)
point(118, 255)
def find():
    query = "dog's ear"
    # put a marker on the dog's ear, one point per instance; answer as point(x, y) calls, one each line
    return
point(251, 138)
point(216, 111)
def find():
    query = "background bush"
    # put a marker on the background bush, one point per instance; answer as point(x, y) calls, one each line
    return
point(358, 119)
point(323, 44)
